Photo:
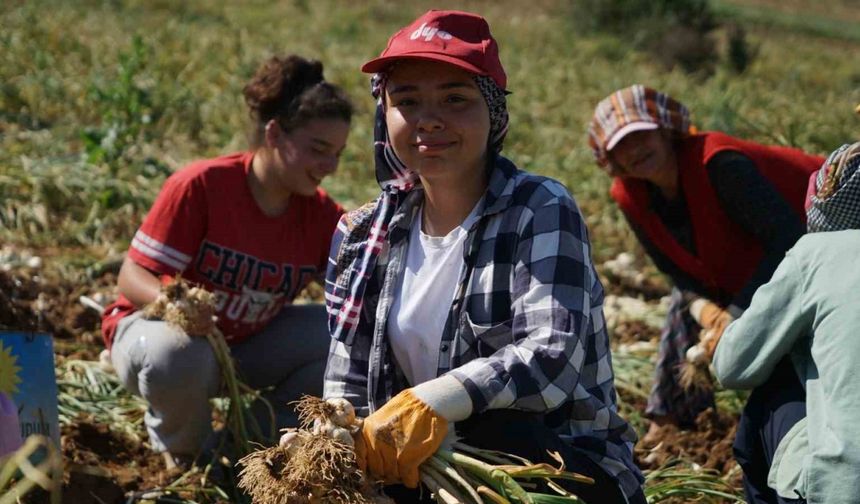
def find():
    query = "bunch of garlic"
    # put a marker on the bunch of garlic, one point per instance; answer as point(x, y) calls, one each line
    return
point(339, 423)
point(191, 309)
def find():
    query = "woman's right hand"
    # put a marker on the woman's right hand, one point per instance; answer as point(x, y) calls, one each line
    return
point(398, 438)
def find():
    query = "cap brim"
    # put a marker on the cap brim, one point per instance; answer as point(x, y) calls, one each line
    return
point(627, 129)
point(381, 63)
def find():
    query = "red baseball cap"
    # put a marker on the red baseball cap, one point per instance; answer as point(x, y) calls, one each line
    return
point(460, 38)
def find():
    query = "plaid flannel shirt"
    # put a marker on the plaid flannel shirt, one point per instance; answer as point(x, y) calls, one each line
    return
point(526, 331)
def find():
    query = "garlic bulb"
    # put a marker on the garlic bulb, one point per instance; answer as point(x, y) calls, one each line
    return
point(323, 427)
point(696, 354)
point(344, 412)
point(292, 440)
point(342, 435)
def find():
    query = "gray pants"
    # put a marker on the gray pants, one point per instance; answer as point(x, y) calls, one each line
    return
point(178, 374)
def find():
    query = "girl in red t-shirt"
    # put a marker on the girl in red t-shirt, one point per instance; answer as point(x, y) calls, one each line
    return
point(253, 228)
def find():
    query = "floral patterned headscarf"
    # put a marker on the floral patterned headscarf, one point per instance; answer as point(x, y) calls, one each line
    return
point(833, 197)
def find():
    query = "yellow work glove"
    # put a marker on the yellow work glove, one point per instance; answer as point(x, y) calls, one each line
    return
point(398, 438)
point(714, 320)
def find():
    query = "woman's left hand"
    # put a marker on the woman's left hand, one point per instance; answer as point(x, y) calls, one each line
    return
point(713, 319)
point(710, 315)
point(398, 438)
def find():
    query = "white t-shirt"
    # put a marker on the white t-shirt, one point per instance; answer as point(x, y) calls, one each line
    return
point(423, 297)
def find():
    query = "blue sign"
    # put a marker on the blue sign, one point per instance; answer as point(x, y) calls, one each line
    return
point(27, 375)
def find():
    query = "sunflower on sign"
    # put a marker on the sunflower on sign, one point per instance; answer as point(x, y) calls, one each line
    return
point(9, 369)
point(10, 430)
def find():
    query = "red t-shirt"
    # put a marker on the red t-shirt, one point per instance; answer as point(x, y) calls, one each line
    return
point(206, 225)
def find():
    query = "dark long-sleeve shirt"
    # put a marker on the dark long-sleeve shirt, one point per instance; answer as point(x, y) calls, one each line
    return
point(749, 200)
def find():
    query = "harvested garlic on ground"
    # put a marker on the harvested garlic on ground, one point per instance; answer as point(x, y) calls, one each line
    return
point(344, 412)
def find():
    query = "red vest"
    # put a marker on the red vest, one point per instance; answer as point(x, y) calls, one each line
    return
point(726, 255)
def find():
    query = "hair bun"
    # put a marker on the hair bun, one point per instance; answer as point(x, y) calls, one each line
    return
point(291, 90)
point(278, 82)
point(298, 74)
point(308, 72)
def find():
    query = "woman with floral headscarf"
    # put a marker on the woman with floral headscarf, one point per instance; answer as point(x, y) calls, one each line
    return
point(809, 313)
point(715, 213)
point(464, 297)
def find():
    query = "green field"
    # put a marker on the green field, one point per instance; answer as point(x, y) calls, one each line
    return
point(100, 101)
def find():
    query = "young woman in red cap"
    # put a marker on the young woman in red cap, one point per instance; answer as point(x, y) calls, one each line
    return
point(715, 213)
point(252, 228)
point(463, 299)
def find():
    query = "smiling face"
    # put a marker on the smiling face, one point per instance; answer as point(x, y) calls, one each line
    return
point(646, 155)
point(438, 121)
point(306, 155)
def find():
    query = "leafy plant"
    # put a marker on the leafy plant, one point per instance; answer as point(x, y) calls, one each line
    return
point(125, 105)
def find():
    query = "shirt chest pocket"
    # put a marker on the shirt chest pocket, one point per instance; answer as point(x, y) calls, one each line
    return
point(489, 338)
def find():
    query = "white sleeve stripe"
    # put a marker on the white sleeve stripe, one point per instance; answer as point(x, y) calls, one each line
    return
point(161, 247)
point(156, 255)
